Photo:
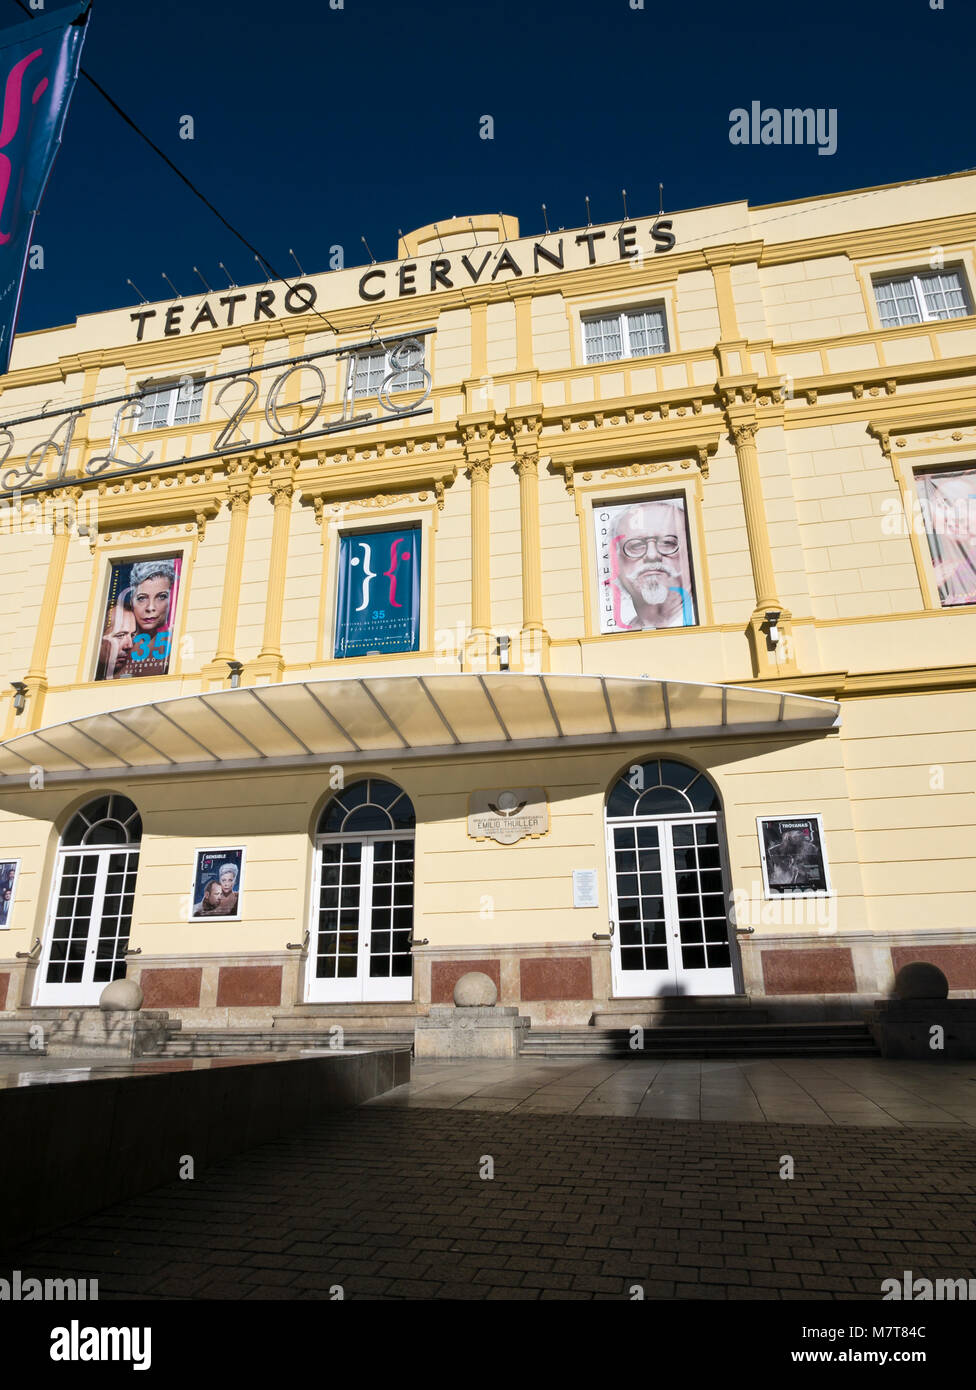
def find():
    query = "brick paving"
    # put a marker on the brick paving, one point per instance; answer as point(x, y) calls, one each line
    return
point(388, 1204)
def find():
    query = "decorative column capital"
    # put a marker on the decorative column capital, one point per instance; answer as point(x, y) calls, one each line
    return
point(282, 490)
point(479, 468)
point(744, 432)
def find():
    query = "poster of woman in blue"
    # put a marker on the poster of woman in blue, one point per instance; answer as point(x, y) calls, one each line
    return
point(137, 632)
point(378, 605)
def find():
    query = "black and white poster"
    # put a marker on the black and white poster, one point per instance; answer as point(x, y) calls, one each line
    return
point(793, 855)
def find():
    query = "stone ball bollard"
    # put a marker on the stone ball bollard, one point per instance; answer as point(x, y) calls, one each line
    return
point(475, 990)
point(920, 980)
point(121, 994)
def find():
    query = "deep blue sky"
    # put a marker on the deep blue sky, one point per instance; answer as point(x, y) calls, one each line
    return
point(316, 126)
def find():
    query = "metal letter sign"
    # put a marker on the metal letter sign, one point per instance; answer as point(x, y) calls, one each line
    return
point(401, 392)
point(39, 64)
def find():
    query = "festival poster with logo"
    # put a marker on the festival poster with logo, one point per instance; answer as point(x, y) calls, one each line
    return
point(218, 881)
point(643, 565)
point(39, 63)
point(8, 886)
point(137, 629)
point(948, 503)
point(378, 604)
point(793, 854)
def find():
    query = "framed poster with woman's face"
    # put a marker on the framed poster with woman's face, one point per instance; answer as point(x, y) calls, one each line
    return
point(137, 626)
point(8, 887)
point(218, 878)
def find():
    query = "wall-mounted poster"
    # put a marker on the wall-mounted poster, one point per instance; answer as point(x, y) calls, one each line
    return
point(378, 604)
point(218, 881)
point(137, 628)
point(793, 856)
point(8, 886)
point(643, 562)
point(948, 503)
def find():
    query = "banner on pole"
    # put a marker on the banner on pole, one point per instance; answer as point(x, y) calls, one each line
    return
point(39, 63)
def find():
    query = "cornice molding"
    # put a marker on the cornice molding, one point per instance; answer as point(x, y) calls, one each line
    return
point(732, 253)
point(926, 415)
point(841, 685)
point(874, 241)
point(352, 481)
point(399, 314)
point(159, 502)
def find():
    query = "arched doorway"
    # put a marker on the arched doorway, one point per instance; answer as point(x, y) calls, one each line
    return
point(361, 931)
point(668, 883)
point(88, 924)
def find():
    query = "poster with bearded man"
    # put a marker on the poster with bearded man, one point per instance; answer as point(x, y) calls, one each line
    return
point(644, 565)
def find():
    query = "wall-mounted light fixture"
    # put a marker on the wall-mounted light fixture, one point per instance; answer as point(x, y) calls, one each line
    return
point(772, 619)
point(236, 667)
point(503, 646)
point(20, 696)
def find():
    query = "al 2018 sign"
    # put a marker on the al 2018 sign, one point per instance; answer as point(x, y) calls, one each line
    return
point(401, 392)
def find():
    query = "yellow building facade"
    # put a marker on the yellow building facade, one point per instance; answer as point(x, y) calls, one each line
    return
point(594, 610)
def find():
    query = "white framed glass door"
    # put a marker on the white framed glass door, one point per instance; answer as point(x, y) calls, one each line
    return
point(668, 903)
point(87, 933)
point(362, 919)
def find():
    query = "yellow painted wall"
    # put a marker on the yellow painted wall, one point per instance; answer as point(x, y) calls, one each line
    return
point(844, 411)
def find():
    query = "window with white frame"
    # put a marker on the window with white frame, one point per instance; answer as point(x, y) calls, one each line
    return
point(921, 296)
point(171, 403)
point(371, 367)
point(630, 333)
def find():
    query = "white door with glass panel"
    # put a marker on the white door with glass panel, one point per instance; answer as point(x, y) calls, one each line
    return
point(667, 877)
point(361, 932)
point(87, 931)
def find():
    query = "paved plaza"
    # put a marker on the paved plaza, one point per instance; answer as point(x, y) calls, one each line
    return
point(846, 1091)
point(606, 1176)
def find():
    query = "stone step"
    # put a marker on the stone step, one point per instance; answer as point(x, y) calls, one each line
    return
point(679, 1018)
point(743, 1040)
point(716, 1052)
point(744, 1030)
point(324, 1015)
point(238, 1043)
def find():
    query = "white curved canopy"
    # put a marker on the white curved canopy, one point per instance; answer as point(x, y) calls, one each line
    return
point(358, 719)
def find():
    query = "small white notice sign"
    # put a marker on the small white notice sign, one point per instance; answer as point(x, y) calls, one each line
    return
point(585, 890)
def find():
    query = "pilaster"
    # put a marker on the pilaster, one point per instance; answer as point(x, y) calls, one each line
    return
point(36, 678)
point(769, 657)
point(477, 434)
point(238, 501)
point(524, 425)
point(270, 663)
